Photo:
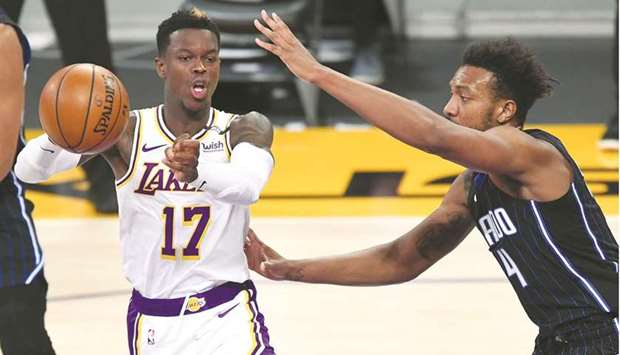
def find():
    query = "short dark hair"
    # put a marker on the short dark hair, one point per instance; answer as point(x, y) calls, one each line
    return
point(184, 18)
point(519, 76)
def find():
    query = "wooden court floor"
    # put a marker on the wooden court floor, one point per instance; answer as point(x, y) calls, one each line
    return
point(463, 305)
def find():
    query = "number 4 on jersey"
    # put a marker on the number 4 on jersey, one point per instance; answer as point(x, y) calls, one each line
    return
point(192, 249)
point(510, 266)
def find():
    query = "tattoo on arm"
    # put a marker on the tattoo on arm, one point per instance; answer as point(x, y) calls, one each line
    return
point(296, 274)
point(440, 238)
point(467, 181)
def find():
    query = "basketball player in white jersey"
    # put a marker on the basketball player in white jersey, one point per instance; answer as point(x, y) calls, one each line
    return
point(185, 175)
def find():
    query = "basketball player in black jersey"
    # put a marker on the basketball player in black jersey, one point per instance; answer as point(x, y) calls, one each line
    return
point(521, 189)
point(23, 287)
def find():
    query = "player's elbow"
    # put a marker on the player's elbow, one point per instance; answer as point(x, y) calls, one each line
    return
point(249, 196)
point(404, 264)
point(28, 173)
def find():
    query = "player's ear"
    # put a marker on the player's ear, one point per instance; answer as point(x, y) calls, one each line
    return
point(508, 111)
point(160, 67)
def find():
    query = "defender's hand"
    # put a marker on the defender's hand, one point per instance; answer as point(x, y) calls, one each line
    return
point(263, 259)
point(182, 158)
point(285, 45)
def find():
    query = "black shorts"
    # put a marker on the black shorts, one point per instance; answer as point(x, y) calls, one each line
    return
point(22, 326)
point(601, 340)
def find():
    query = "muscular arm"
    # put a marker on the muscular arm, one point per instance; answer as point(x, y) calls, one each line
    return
point(119, 155)
point(41, 158)
point(398, 261)
point(504, 151)
point(12, 94)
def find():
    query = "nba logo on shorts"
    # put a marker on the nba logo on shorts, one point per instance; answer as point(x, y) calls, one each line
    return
point(150, 337)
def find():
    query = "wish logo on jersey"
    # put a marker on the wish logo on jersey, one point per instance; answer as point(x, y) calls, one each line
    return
point(157, 177)
point(212, 147)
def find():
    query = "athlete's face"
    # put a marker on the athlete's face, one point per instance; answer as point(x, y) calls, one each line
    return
point(473, 102)
point(190, 68)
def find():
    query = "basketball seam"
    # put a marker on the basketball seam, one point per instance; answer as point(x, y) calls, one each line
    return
point(90, 98)
point(69, 146)
point(120, 107)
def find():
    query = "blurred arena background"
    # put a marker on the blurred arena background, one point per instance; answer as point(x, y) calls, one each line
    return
point(338, 184)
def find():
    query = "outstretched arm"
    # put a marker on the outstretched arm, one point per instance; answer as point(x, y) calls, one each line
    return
point(398, 261)
point(406, 120)
point(41, 158)
point(503, 150)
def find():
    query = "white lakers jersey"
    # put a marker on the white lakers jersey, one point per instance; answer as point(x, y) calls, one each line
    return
point(177, 240)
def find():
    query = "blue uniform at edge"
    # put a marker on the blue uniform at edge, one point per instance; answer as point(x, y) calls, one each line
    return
point(560, 256)
point(21, 258)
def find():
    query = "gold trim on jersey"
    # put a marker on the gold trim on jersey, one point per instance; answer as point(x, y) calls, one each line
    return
point(167, 133)
point(135, 152)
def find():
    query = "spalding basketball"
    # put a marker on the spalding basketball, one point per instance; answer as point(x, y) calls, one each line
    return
point(84, 108)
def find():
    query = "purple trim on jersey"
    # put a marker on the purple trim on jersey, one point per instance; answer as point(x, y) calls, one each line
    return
point(172, 307)
point(132, 323)
point(261, 331)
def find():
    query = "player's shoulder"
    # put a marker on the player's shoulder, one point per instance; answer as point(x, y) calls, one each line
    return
point(252, 117)
point(460, 189)
point(9, 39)
point(8, 33)
point(252, 120)
point(508, 132)
point(132, 121)
point(519, 135)
point(252, 127)
point(532, 144)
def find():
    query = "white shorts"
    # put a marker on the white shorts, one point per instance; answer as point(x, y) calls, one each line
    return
point(224, 321)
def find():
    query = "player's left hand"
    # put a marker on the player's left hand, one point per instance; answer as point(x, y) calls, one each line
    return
point(285, 45)
point(182, 158)
point(263, 259)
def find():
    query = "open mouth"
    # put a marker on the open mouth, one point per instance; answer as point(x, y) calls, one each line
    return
point(199, 90)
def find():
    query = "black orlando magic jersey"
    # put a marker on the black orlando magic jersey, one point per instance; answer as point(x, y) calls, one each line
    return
point(560, 256)
point(20, 254)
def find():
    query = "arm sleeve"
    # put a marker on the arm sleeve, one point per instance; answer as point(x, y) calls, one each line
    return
point(240, 181)
point(41, 159)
